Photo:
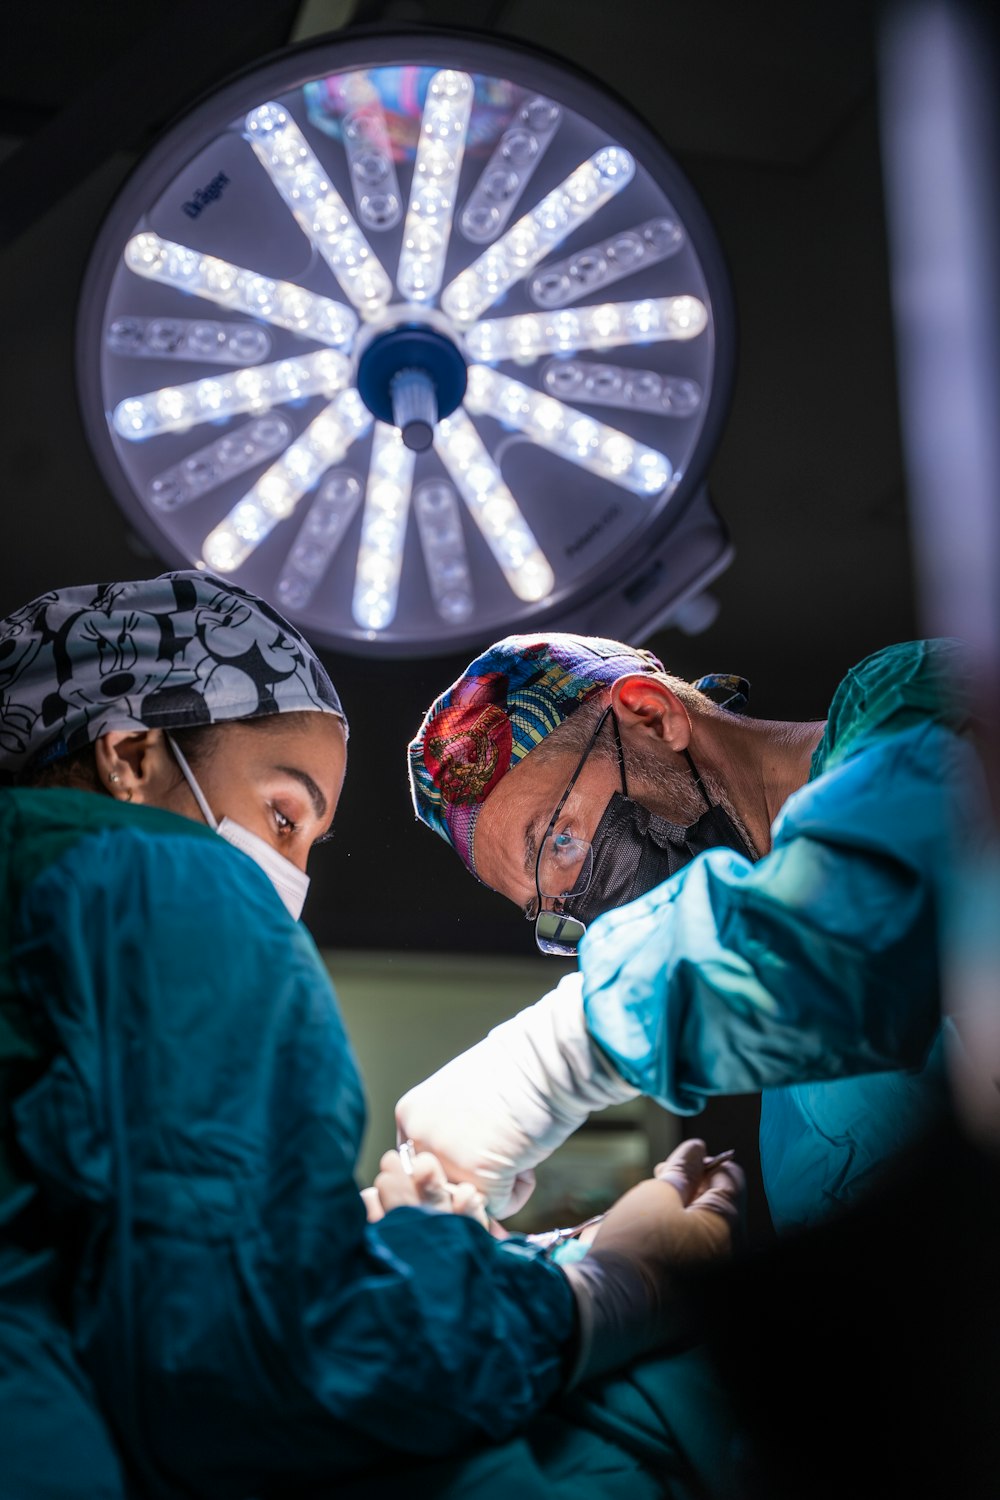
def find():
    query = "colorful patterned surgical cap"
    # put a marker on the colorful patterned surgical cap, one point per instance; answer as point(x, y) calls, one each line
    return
point(504, 703)
point(182, 649)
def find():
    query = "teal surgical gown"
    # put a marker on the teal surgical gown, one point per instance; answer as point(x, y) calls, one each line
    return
point(812, 976)
point(192, 1302)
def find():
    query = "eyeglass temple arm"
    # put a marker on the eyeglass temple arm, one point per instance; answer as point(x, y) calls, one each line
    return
point(620, 748)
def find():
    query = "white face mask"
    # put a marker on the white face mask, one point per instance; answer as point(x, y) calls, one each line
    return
point(290, 882)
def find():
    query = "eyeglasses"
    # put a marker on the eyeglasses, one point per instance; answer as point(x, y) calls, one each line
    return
point(564, 865)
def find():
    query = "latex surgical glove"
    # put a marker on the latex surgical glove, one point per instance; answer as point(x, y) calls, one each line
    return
point(626, 1287)
point(426, 1186)
point(494, 1112)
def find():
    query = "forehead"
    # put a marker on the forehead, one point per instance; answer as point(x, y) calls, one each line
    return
point(523, 800)
point(313, 741)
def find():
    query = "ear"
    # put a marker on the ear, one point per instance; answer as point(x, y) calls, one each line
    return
point(134, 764)
point(645, 706)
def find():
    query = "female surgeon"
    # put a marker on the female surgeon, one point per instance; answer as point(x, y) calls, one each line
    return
point(193, 1299)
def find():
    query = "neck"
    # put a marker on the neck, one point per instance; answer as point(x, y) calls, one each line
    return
point(754, 766)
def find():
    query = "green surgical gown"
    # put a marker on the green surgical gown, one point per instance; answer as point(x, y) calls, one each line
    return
point(812, 976)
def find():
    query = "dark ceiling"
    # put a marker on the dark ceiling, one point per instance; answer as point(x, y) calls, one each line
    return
point(771, 109)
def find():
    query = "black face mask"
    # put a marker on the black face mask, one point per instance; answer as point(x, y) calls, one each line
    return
point(634, 850)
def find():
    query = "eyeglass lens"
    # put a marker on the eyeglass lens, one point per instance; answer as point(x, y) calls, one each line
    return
point(564, 866)
point(568, 865)
point(557, 933)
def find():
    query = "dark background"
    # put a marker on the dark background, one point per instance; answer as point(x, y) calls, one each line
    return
point(772, 111)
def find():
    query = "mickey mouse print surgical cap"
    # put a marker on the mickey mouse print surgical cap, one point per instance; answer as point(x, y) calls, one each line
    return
point(183, 649)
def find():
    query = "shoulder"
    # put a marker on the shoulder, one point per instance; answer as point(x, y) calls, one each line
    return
point(155, 936)
point(893, 689)
point(163, 879)
point(44, 833)
point(930, 661)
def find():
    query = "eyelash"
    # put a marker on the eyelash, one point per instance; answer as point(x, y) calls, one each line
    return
point(286, 825)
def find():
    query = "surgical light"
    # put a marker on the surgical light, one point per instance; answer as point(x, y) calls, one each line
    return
point(425, 338)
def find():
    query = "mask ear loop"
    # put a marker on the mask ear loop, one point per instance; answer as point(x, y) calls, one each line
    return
point(189, 777)
point(697, 779)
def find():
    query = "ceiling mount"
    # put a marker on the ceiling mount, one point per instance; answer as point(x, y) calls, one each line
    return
point(411, 376)
point(424, 337)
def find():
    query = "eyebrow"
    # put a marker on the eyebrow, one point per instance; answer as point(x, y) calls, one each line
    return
point(531, 847)
point(315, 795)
point(530, 841)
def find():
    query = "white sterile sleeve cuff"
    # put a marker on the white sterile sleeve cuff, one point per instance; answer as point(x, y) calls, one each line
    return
point(496, 1111)
point(555, 1053)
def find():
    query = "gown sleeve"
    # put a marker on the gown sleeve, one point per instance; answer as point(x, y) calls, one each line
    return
point(819, 960)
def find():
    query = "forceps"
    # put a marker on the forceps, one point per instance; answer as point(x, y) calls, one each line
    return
point(406, 1151)
point(547, 1238)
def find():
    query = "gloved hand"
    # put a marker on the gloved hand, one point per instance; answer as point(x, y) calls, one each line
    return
point(422, 1185)
point(626, 1286)
point(494, 1112)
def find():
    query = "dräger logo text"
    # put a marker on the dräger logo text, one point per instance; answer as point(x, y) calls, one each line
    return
point(588, 536)
point(206, 195)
